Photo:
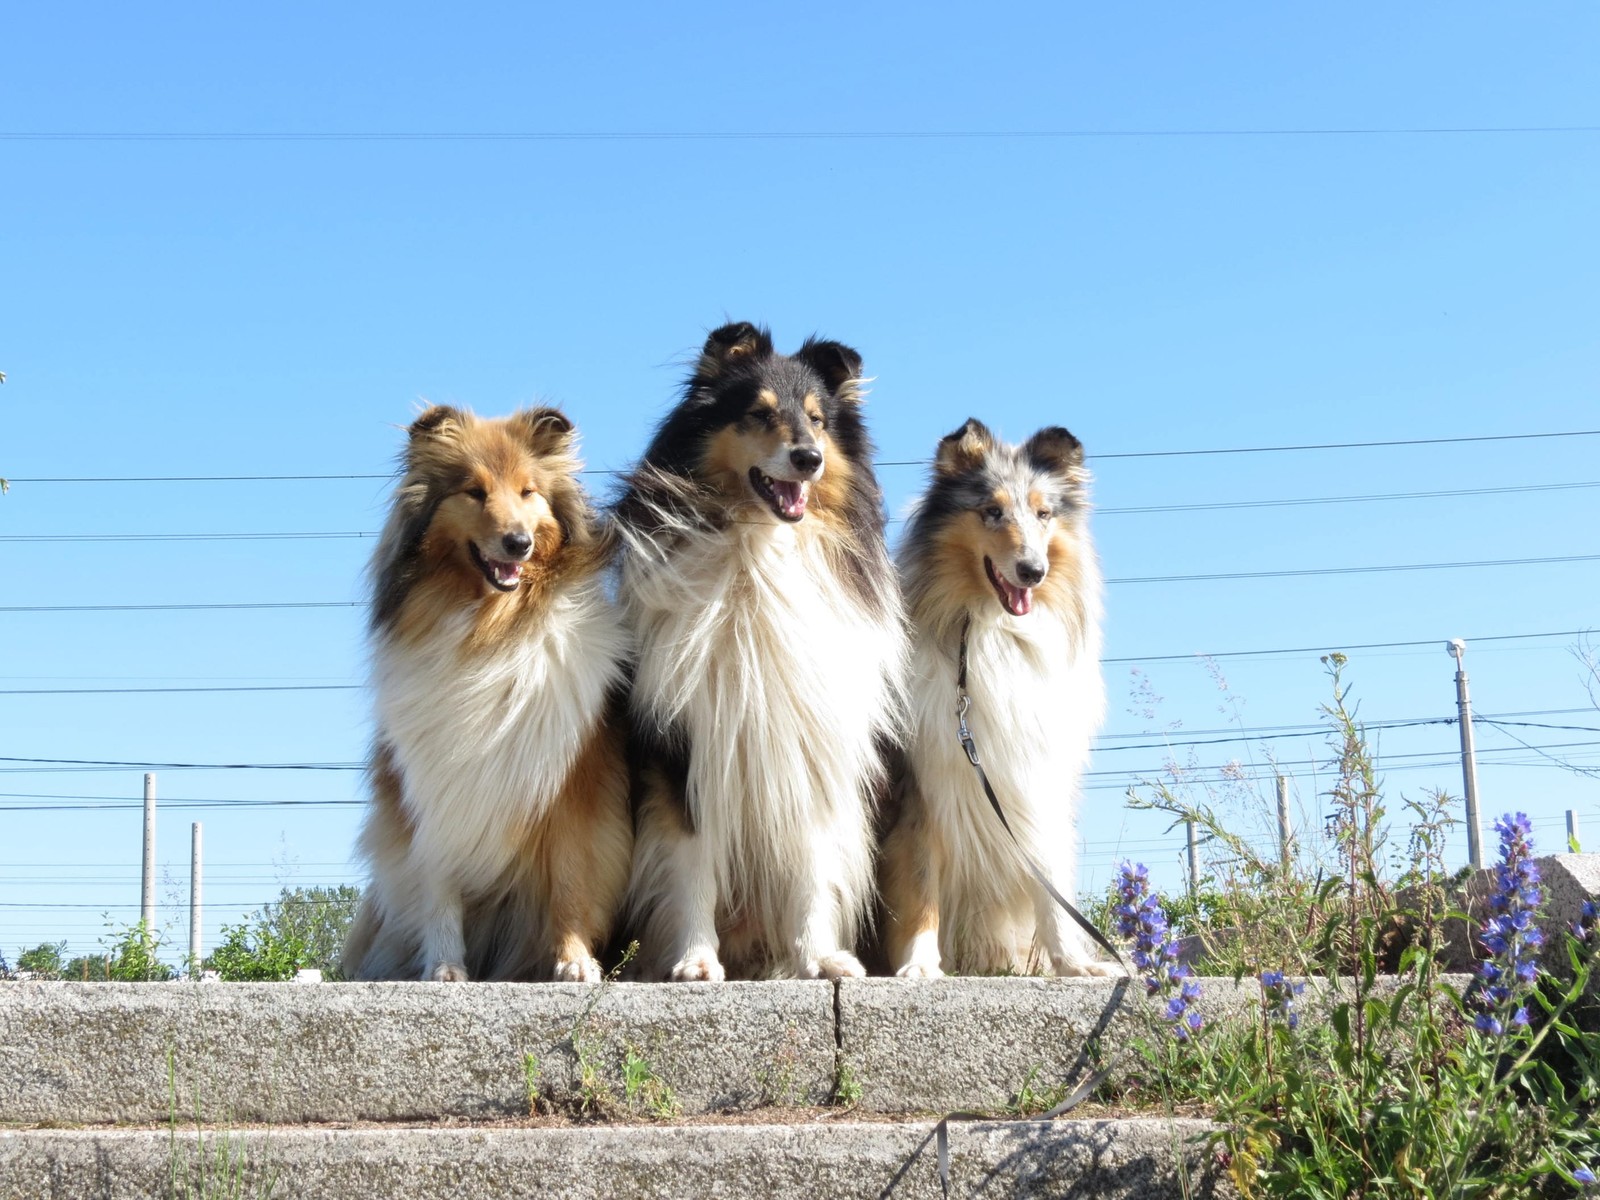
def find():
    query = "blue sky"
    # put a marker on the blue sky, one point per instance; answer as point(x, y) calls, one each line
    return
point(180, 304)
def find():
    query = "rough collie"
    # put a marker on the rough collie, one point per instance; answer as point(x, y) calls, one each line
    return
point(1001, 539)
point(499, 836)
point(754, 575)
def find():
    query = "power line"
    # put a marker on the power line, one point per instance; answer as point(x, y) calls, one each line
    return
point(1135, 510)
point(97, 866)
point(118, 802)
point(181, 537)
point(1452, 493)
point(1499, 722)
point(187, 766)
point(915, 462)
point(155, 691)
point(1273, 737)
point(1497, 437)
point(1187, 774)
point(640, 135)
point(1342, 646)
point(1127, 579)
point(1309, 571)
point(1322, 726)
point(1147, 658)
point(124, 805)
point(209, 478)
point(237, 607)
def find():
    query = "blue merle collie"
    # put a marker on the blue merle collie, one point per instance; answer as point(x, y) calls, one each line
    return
point(1000, 539)
point(754, 575)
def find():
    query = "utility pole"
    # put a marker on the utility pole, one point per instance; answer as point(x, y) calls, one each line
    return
point(1285, 834)
point(1194, 858)
point(194, 901)
point(147, 882)
point(1573, 840)
point(1457, 650)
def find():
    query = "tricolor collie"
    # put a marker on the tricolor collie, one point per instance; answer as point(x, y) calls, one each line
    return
point(498, 837)
point(770, 650)
point(1001, 540)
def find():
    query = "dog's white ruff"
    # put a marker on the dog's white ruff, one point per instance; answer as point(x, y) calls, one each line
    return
point(751, 642)
point(483, 741)
point(1037, 699)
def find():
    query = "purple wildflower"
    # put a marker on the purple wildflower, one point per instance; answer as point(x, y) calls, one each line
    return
point(1587, 913)
point(1509, 934)
point(1583, 1175)
point(1142, 920)
point(1278, 995)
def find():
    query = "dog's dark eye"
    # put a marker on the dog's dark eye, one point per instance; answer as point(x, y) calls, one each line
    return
point(526, 492)
point(994, 512)
point(1044, 514)
point(478, 494)
point(816, 422)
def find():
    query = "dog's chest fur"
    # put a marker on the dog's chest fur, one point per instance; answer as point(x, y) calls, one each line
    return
point(484, 737)
point(754, 647)
point(1037, 698)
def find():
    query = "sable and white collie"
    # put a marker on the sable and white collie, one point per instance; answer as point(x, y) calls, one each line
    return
point(754, 575)
point(1000, 537)
point(499, 836)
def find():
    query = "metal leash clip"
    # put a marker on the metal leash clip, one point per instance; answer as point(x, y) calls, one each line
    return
point(963, 703)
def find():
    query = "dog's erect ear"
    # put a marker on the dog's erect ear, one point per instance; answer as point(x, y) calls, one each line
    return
point(838, 364)
point(964, 449)
point(738, 342)
point(546, 430)
point(1055, 449)
point(438, 419)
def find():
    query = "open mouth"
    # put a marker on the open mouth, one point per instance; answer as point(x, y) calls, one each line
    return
point(786, 497)
point(1018, 601)
point(506, 576)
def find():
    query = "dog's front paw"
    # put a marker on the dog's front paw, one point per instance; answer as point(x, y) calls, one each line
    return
point(578, 970)
point(448, 972)
point(1097, 967)
point(920, 970)
point(838, 965)
point(698, 967)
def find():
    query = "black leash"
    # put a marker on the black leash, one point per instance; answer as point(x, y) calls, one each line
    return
point(963, 703)
point(941, 1131)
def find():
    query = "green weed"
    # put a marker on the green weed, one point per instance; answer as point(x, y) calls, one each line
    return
point(216, 1164)
point(846, 1085)
point(643, 1090)
point(1031, 1098)
point(1409, 1087)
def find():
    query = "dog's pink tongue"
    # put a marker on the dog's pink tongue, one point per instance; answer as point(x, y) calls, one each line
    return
point(791, 497)
point(507, 572)
point(1019, 600)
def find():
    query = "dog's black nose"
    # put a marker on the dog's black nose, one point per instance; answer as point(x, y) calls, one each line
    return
point(1029, 573)
point(516, 544)
point(806, 458)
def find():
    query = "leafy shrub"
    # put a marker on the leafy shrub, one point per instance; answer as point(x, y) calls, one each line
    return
point(1411, 1087)
point(133, 955)
point(318, 918)
point(47, 960)
point(259, 955)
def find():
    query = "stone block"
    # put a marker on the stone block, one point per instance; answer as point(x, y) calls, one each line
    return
point(74, 1052)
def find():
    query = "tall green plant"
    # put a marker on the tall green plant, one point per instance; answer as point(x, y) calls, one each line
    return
point(318, 918)
point(1410, 1087)
point(257, 955)
point(133, 954)
point(47, 960)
